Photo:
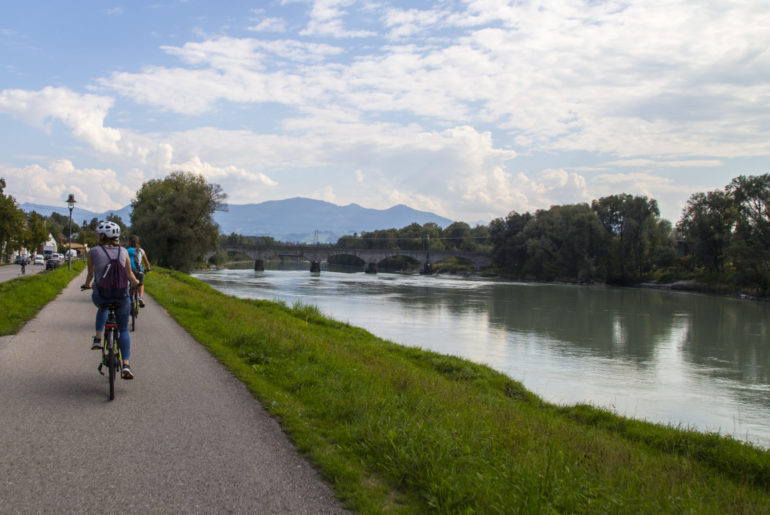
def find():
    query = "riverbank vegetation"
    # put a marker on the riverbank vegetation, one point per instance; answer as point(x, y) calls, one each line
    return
point(402, 430)
point(721, 242)
point(22, 297)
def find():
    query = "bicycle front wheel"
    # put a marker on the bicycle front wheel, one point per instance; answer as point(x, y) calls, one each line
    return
point(111, 360)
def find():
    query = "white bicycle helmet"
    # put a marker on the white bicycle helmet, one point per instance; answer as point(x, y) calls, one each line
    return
point(110, 230)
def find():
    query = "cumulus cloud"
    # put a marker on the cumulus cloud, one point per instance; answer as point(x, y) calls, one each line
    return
point(83, 114)
point(95, 189)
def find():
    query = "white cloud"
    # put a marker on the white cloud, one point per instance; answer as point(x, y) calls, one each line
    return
point(408, 22)
point(427, 105)
point(233, 70)
point(94, 189)
point(557, 76)
point(326, 19)
point(270, 25)
point(83, 114)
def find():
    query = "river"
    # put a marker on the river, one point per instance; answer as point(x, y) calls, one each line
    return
point(689, 360)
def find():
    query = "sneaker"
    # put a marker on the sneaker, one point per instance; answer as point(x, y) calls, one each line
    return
point(127, 374)
point(97, 344)
point(141, 302)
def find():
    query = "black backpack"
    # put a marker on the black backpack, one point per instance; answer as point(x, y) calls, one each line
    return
point(113, 284)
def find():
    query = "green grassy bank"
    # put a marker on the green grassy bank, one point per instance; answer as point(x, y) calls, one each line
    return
point(398, 429)
point(22, 297)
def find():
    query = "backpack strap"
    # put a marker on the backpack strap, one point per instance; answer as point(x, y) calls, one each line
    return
point(109, 261)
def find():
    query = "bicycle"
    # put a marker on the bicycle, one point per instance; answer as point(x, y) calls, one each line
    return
point(111, 355)
point(134, 296)
point(133, 293)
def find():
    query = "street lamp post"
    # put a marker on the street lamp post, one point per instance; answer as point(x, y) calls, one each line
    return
point(70, 204)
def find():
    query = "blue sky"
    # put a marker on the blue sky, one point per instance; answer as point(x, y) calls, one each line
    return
point(469, 109)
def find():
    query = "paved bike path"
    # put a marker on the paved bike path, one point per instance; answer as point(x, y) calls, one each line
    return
point(10, 271)
point(184, 436)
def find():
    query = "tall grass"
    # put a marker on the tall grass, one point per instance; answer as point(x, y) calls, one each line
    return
point(22, 297)
point(403, 430)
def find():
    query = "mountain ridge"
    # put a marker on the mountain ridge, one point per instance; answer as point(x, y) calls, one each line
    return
point(297, 219)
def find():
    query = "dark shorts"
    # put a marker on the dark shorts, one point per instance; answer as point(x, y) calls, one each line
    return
point(139, 276)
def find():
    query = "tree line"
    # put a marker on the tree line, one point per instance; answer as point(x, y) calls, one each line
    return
point(722, 237)
point(458, 236)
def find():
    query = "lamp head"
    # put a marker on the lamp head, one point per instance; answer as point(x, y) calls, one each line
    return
point(71, 200)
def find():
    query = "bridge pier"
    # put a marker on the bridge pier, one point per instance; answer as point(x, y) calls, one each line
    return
point(427, 269)
point(315, 266)
point(371, 268)
point(259, 265)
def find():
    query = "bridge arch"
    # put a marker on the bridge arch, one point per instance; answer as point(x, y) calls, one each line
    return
point(371, 257)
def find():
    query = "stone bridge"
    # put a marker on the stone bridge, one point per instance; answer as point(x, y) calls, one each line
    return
point(315, 254)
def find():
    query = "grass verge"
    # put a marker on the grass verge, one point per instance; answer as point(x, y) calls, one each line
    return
point(22, 297)
point(402, 430)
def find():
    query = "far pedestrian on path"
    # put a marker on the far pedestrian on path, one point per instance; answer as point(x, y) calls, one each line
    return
point(23, 264)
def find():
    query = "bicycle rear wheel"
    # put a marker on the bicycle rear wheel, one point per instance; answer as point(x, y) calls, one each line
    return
point(134, 310)
point(111, 360)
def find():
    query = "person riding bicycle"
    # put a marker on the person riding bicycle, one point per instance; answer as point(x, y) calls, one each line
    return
point(139, 263)
point(98, 258)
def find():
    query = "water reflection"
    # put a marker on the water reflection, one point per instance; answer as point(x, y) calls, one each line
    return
point(696, 360)
point(605, 322)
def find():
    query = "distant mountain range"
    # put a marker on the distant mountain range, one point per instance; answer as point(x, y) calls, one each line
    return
point(295, 219)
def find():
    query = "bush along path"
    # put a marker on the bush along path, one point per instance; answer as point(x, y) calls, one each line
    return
point(402, 430)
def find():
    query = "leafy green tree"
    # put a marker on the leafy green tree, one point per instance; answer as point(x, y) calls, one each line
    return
point(458, 236)
point(706, 224)
point(481, 238)
point(411, 237)
point(663, 255)
point(351, 242)
point(12, 221)
point(87, 233)
point(562, 244)
point(432, 233)
point(750, 249)
point(174, 218)
point(36, 231)
point(509, 251)
point(631, 220)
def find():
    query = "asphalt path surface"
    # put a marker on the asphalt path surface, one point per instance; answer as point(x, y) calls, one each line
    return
point(184, 436)
point(12, 271)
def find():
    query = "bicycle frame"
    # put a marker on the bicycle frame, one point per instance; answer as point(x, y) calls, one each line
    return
point(111, 355)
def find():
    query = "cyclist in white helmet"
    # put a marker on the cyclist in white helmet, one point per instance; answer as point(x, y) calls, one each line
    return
point(98, 258)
